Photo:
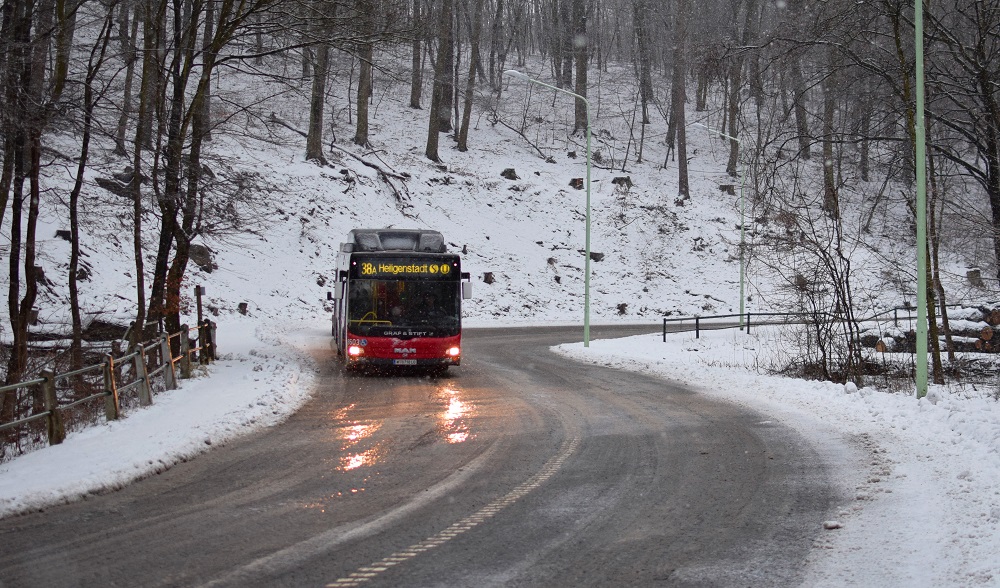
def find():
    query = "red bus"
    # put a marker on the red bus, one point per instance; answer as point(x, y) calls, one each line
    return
point(398, 300)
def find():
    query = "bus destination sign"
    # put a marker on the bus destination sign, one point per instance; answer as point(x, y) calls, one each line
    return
point(405, 268)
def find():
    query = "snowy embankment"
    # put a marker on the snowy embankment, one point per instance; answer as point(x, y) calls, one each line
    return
point(258, 381)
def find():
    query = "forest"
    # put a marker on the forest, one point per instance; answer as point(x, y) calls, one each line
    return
point(793, 83)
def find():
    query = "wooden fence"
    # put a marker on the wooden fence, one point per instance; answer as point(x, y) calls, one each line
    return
point(145, 364)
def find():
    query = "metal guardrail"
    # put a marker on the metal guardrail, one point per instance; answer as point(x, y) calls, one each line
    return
point(11, 387)
point(113, 387)
point(769, 318)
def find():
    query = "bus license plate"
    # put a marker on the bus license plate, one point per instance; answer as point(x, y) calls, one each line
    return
point(404, 362)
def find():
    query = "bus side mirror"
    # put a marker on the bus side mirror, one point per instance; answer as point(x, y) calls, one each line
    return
point(467, 290)
point(335, 295)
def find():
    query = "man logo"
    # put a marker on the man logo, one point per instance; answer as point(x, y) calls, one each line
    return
point(404, 350)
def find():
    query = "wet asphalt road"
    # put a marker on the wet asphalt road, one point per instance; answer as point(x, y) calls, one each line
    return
point(518, 468)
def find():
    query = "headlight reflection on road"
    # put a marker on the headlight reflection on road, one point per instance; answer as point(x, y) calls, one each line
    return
point(453, 423)
point(365, 458)
point(351, 435)
point(358, 431)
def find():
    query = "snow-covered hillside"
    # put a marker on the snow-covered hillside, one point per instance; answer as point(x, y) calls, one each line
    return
point(655, 258)
point(275, 246)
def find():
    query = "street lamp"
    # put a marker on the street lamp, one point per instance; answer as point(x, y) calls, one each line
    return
point(743, 209)
point(586, 271)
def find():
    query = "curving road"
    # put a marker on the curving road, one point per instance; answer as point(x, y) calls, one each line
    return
point(519, 468)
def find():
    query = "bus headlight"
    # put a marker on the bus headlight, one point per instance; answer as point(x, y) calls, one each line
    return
point(355, 351)
point(454, 351)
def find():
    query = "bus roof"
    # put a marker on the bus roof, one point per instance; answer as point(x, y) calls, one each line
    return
point(419, 240)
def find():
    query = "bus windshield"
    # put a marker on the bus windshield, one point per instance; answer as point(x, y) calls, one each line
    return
point(375, 305)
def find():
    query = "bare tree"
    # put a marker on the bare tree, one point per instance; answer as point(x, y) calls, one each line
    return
point(641, 20)
point(831, 200)
point(678, 93)
point(28, 113)
point(317, 104)
point(966, 69)
point(416, 72)
point(94, 65)
point(440, 114)
point(470, 84)
point(366, 53)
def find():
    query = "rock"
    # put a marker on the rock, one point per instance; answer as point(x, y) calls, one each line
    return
point(202, 257)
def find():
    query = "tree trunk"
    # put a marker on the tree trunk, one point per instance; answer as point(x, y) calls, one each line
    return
point(831, 199)
point(76, 343)
point(154, 18)
point(148, 94)
point(206, 45)
point(170, 199)
point(29, 113)
point(864, 148)
point(566, 42)
point(444, 72)
point(933, 338)
point(317, 103)
point(935, 265)
point(18, 323)
point(365, 55)
point(19, 352)
point(65, 14)
point(799, 104)
point(704, 72)
point(128, 34)
point(470, 84)
point(679, 96)
point(441, 96)
point(14, 39)
point(7, 174)
point(497, 52)
point(991, 139)
point(640, 15)
point(416, 74)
